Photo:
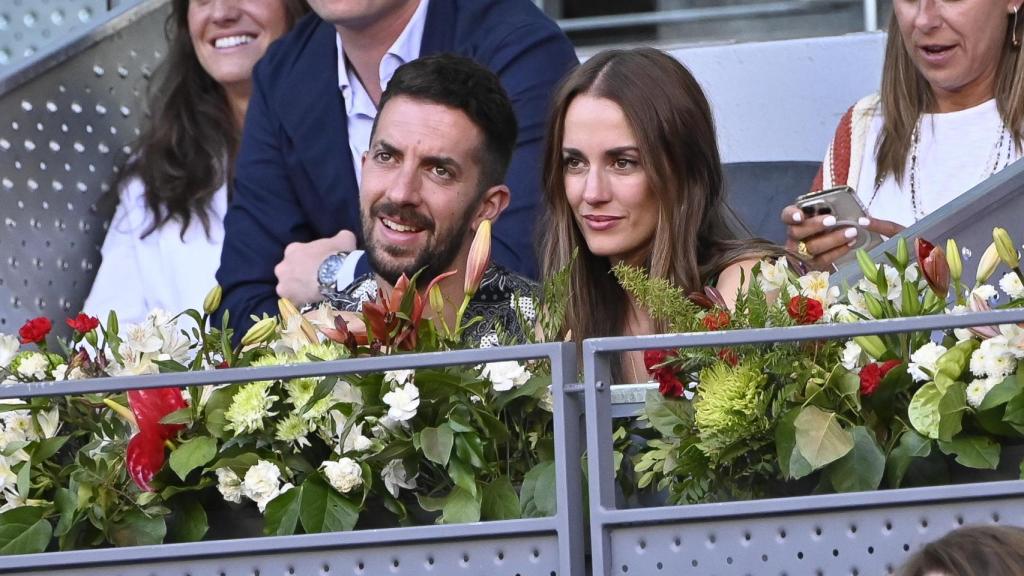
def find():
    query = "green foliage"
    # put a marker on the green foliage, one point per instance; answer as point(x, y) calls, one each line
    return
point(660, 298)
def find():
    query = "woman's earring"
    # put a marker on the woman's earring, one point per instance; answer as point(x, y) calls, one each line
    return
point(1013, 38)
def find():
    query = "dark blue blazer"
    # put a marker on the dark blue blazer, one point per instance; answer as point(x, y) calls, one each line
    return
point(294, 176)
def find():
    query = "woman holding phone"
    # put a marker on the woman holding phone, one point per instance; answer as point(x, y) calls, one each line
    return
point(949, 115)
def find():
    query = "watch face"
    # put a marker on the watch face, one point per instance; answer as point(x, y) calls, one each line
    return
point(328, 272)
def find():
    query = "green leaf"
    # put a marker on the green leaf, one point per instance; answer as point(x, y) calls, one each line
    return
point(500, 501)
point(496, 429)
point(324, 509)
point(791, 462)
point(437, 443)
point(171, 366)
point(462, 475)
point(973, 451)
point(281, 516)
point(238, 464)
point(537, 494)
point(215, 408)
point(461, 506)
point(189, 523)
point(912, 445)
point(323, 389)
point(470, 449)
point(182, 416)
point(862, 468)
point(65, 503)
point(137, 529)
point(24, 531)
point(671, 417)
point(1002, 393)
point(47, 448)
point(937, 413)
point(820, 438)
point(192, 454)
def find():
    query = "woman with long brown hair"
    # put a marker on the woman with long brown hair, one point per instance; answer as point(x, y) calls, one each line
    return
point(633, 175)
point(163, 246)
point(949, 115)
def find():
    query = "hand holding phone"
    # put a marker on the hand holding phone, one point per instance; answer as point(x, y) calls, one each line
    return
point(843, 204)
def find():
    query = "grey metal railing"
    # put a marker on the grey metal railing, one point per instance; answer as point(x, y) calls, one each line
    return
point(528, 546)
point(863, 533)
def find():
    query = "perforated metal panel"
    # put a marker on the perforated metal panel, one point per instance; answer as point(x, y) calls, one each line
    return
point(28, 27)
point(64, 128)
point(835, 541)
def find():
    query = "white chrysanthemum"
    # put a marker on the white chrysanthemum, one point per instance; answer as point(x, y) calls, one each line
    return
point(142, 338)
point(403, 402)
point(774, 275)
point(8, 349)
point(399, 377)
point(396, 477)
point(262, 483)
point(924, 358)
point(229, 485)
point(34, 365)
point(976, 392)
point(18, 426)
point(852, 354)
point(505, 376)
point(1011, 284)
point(249, 406)
point(815, 285)
point(993, 359)
point(294, 429)
point(345, 475)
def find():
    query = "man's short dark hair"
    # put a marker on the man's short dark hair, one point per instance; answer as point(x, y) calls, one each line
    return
point(462, 84)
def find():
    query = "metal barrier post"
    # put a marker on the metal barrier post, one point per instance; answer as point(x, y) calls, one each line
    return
point(600, 465)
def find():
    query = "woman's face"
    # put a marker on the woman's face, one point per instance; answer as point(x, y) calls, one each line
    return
point(955, 44)
point(606, 182)
point(230, 36)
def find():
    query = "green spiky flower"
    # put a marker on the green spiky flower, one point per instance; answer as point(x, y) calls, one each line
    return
point(731, 406)
point(293, 429)
point(249, 407)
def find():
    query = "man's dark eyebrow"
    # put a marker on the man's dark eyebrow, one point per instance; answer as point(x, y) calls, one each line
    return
point(383, 146)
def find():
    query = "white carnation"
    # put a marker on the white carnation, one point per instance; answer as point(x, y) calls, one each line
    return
point(395, 477)
point(403, 402)
point(8, 349)
point(924, 358)
point(34, 365)
point(505, 376)
point(1010, 283)
point(852, 353)
point(345, 475)
point(262, 483)
point(229, 485)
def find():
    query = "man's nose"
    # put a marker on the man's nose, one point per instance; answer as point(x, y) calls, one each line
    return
point(404, 188)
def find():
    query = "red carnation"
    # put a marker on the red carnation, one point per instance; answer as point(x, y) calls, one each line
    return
point(872, 374)
point(669, 384)
point(805, 310)
point(83, 323)
point(716, 320)
point(35, 330)
point(654, 358)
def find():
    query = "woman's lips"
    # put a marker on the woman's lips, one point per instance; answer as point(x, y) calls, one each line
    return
point(602, 222)
point(936, 54)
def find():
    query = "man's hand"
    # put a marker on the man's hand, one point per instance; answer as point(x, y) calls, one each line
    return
point(297, 272)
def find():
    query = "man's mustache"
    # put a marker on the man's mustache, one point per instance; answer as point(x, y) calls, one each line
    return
point(404, 214)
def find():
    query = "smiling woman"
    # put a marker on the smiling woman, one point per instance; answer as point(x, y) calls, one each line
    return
point(950, 114)
point(164, 242)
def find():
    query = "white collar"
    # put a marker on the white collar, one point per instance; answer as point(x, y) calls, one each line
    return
point(405, 49)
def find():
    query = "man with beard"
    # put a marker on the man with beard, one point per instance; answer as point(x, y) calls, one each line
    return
point(434, 171)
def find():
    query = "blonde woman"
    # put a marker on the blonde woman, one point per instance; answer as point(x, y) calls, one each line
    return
point(949, 115)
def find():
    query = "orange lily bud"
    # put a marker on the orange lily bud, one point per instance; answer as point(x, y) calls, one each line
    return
point(932, 261)
point(479, 258)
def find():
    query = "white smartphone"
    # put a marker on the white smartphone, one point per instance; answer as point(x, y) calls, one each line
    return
point(841, 202)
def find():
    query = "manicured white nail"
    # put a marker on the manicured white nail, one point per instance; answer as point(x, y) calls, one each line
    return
point(829, 221)
point(850, 232)
point(798, 217)
point(864, 221)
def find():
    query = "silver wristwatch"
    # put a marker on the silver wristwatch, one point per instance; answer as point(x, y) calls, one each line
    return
point(330, 268)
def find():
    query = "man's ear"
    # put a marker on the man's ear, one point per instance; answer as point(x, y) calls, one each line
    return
point(493, 203)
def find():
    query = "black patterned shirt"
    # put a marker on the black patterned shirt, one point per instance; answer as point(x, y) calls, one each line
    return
point(504, 301)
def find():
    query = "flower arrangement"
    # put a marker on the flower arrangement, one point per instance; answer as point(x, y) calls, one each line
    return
point(453, 444)
point(871, 412)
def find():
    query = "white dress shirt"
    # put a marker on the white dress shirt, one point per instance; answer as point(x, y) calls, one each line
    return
point(161, 270)
point(359, 107)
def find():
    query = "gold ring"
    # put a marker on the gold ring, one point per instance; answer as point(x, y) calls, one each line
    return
point(801, 249)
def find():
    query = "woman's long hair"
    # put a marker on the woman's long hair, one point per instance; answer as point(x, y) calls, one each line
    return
point(971, 551)
point(187, 148)
point(906, 95)
point(675, 132)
